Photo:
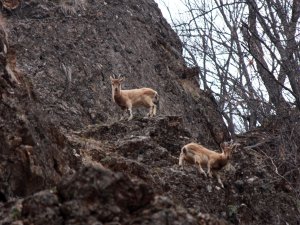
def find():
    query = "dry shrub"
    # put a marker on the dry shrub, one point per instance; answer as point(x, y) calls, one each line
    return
point(70, 7)
point(278, 140)
point(10, 4)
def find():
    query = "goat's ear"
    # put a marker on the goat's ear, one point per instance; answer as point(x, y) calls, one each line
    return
point(111, 79)
point(122, 79)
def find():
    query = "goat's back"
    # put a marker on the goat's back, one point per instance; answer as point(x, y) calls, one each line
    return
point(141, 96)
point(200, 149)
point(140, 91)
point(202, 155)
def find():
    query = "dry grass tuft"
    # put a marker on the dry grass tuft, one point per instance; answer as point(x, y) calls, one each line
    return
point(10, 4)
point(3, 38)
point(70, 7)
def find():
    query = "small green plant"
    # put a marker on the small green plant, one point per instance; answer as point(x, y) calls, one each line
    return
point(106, 159)
point(232, 210)
point(15, 213)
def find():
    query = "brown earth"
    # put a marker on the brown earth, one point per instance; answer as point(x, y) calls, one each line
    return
point(66, 158)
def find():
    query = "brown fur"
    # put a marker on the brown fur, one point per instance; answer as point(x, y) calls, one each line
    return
point(127, 99)
point(203, 157)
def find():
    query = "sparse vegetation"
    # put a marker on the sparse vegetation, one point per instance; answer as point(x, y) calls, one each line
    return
point(70, 7)
point(15, 213)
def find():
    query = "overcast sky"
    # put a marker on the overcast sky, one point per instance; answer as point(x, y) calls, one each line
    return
point(175, 7)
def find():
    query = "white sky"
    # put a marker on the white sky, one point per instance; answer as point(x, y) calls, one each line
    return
point(174, 5)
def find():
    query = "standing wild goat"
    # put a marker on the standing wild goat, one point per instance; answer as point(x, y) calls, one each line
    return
point(198, 154)
point(126, 99)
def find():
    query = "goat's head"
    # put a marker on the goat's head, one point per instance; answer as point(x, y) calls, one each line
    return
point(116, 83)
point(228, 148)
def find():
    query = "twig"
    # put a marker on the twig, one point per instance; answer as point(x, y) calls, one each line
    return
point(68, 74)
point(256, 145)
point(276, 168)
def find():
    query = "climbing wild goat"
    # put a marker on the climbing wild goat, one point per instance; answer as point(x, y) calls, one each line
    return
point(201, 156)
point(127, 99)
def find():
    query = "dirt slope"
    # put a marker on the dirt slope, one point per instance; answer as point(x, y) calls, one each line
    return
point(128, 38)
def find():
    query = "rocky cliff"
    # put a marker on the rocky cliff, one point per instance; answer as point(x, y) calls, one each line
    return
point(66, 158)
point(63, 56)
point(69, 57)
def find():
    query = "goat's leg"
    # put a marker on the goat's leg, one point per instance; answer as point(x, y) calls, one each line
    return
point(209, 169)
point(219, 179)
point(154, 110)
point(150, 111)
point(201, 169)
point(130, 113)
point(181, 160)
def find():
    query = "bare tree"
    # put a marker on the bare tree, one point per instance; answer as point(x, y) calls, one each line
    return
point(248, 54)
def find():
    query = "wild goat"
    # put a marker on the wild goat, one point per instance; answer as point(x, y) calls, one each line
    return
point(126, 99)
point(214, 161)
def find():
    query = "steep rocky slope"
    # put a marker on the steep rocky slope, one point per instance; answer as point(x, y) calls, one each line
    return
point(148, 187)
point(32, 150)
point(67, 159)
point(64, 58)
point(71, 56)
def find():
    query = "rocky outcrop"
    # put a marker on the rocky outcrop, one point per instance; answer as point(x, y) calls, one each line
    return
point(56, 62)
point(98, 196)
point(70, 52)
point(128, 175)
point(32, 150)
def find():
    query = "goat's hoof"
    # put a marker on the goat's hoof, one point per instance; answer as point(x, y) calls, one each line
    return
point(218, 188)
point(222, 185)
